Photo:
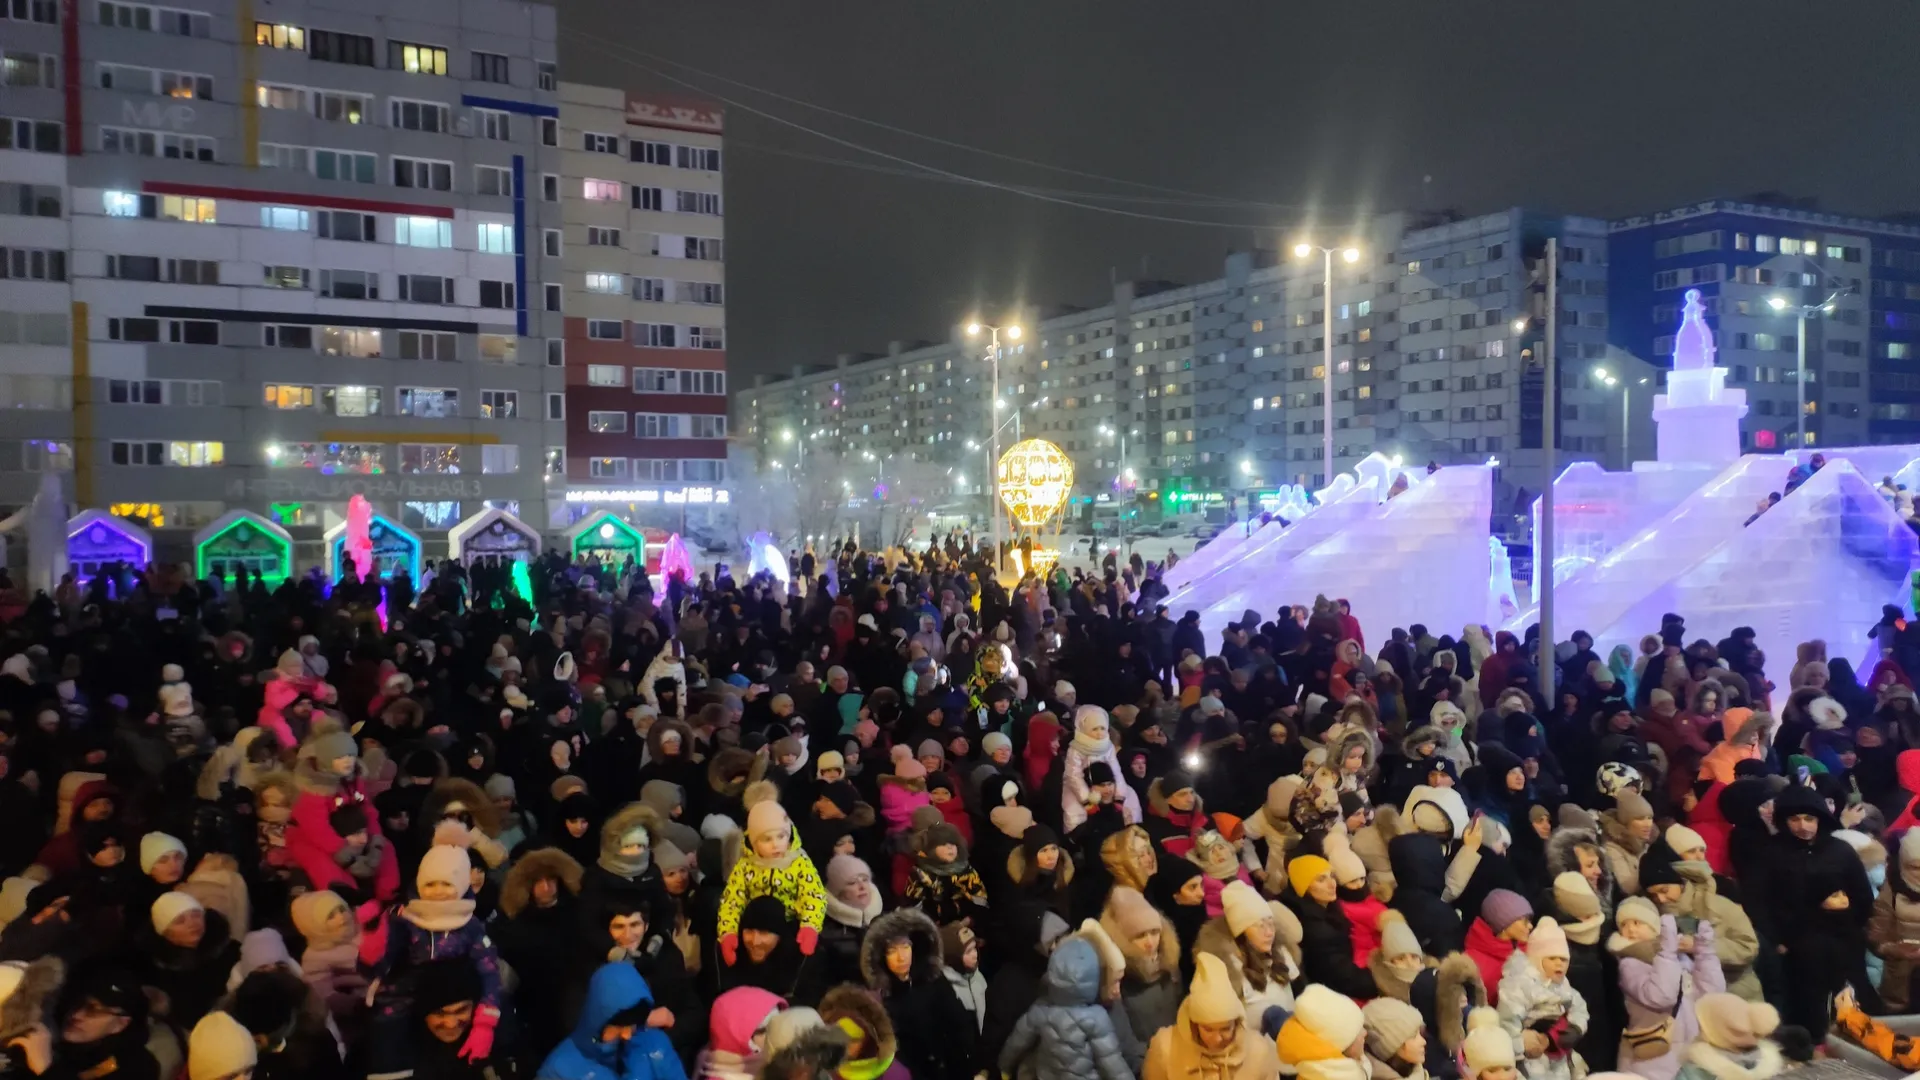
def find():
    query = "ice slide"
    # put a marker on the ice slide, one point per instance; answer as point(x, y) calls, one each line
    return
point(1818, 565)
point(1273, 546)
point(1229, 543)
point(1420, 557)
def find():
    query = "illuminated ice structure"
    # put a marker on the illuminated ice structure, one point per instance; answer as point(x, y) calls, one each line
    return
point(764, 554)
point(1421, 556)
point(1673, 534)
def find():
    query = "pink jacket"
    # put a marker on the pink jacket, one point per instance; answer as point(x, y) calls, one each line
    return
point(312, 842)
point(897, 805)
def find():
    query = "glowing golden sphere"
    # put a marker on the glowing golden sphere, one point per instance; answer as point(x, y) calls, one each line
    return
point(1035, 478)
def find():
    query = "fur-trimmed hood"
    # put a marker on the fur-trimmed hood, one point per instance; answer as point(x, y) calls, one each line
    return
point(486, 816)
point(1169, 949)
point(732, 769)
point(1424, 734)
point(863, 1009)
point(928, 956)
point(517, 892)
point(1561, 858)
point(1159, 807)
point(661, 727)
point(1133, 867)
point(631, 816)
point(1460, 988)
point(1022, 871)
point(33, 998)
point(815, 1054)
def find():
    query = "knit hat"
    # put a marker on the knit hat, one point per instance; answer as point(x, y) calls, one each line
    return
point(1488, 1046)
point(1390, 1023)
point(328, 746)
point(1574, 896)
point(1328, 1014)
point(1304, 870)
point(768, 818)
point(1504, 907)
point(1547, 940)
point(1212, 998)
point(831, 759)
point(1682, 839)
point(169, 906)
point(1396, 937)
point(219, 1046)
point(1102, 773)
point(766, 913)
point(1131, 911)
point(668, 856)
point(1637, 909)
point(1731, 1023)
point(907, 768)
point(931, 748)
point(448, 864)
point(1659, 697)
point(1346, 866)
point(1242, 905)
point(994, 741)
point(155, 846)
point(842, 870)
point(1631, 806)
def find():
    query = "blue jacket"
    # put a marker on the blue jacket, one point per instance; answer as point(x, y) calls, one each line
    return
point(1068, 1035)
point(615, 988)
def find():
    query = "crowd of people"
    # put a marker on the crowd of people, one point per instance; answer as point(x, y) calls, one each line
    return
point(897, 821)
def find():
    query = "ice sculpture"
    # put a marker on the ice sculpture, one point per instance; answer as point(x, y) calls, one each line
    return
point(1417, 558)
point(359, 545)
point(47, 536)
point(764, 556)
point(674, 560)
point(1706, 415)
point(1502, 602)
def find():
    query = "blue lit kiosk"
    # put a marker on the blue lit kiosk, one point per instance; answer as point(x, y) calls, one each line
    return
point(493, 537)
point(242, 538)
point(606, 536)
point(97, 539)
point(395, 549)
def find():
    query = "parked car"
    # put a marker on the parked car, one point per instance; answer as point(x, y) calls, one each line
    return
point(1204, 531)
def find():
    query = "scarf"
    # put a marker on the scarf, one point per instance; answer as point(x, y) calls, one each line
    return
point(847, 915)
point(626, 866)
point(1091, 746)
point(438, 916)
point(1643, 951)
point(1586, 931)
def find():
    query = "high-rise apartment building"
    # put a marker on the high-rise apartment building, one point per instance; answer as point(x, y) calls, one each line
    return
point(1181, 396)
point(642, 285)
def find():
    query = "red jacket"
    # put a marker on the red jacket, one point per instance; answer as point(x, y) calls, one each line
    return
point(1714, 828)
point(1489, 954)
point(1907, 768)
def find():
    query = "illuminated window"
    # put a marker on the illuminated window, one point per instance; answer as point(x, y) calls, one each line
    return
point(187, 208)
point(417, 59)
point(279, 36)
point(600, 190)
point(288, 396)
point(196, 454)
point(422, 232)
point(605, 283)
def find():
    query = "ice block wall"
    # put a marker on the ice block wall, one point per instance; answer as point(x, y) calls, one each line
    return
point(1420, 557)
point(1818, 565)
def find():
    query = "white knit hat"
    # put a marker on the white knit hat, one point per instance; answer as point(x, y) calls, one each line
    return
point(1329, 1014)
point(169, 906)
point(219, 1046)
point(444, 862)
point(1243, 906)
point(1488, 1045)
point(156, 846)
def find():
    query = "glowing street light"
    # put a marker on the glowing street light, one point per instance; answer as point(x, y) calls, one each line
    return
point(993, 357)
point(1802, 312)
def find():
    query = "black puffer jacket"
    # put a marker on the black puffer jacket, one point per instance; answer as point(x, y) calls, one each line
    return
point(1420, 876)
point(1326, 949)
point(935, 1030)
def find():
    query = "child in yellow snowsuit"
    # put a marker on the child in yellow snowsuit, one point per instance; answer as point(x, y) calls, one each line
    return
point(773, 865)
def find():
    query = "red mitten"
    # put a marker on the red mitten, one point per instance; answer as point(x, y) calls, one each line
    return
point(729, 947)
point(808, 938)
point(479, 1044)
point(373, 942)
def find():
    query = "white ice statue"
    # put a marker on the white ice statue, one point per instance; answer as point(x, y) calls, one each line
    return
point(1698, 417)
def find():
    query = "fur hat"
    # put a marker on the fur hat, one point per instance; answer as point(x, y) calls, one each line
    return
point(169, 906)
point(1242, 906)
point(155, 846)
point(1731, 1023)
point(1212, 999)
point(1827, 714)
point(219, 1046)
point(831, 759)
point(1390, 1023)
point(1488, 1045)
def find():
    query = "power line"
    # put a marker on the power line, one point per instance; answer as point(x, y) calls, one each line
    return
point(909, 132)
point(735, 103)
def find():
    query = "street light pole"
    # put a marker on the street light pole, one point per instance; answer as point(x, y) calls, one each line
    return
point(993, 417)
point(1549, 417)
point(1350, 254)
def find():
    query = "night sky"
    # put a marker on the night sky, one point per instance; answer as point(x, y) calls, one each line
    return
point(1316, 110)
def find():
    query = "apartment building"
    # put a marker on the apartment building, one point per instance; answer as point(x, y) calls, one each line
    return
point(641, 253)
point(1175, 397)
point(1862, 381)
point(269, 257)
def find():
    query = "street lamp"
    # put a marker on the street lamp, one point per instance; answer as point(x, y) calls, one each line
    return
point(1349, 255)
point(1626, 409)
point(1802, 312)
point(993, 357)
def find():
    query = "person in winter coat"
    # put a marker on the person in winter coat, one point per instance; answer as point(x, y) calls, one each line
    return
point(1821, 902)
point(1687, 890)
point(612, 1040)
point(872, 1048)
point(773, 865)
point(1327, 938)
point(188, 957)
point(1574, 905)
point(1025, 938)
point(1396, 1041)
point(1259, 942)
point(1209, 1038)
point(902, 960)
point(960, 959)
point(1679, 735)
point(737, 1034)
point(539, 907)
point(437, 925)
point(942, 883)
point(1748, 735)
point(1441, 994)
point(1661, 982)
point(329, 775)
point(1090, 743)
point(853, 902)
point(1505, 922)
point(1067, 1035)
point(1150, 989)
point(1419, 873)
point(1541, 1010)
point(1894, 928)
point(1324, 1038)
point(1733, 1043)
point(1627, 829)
point(331, 960)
